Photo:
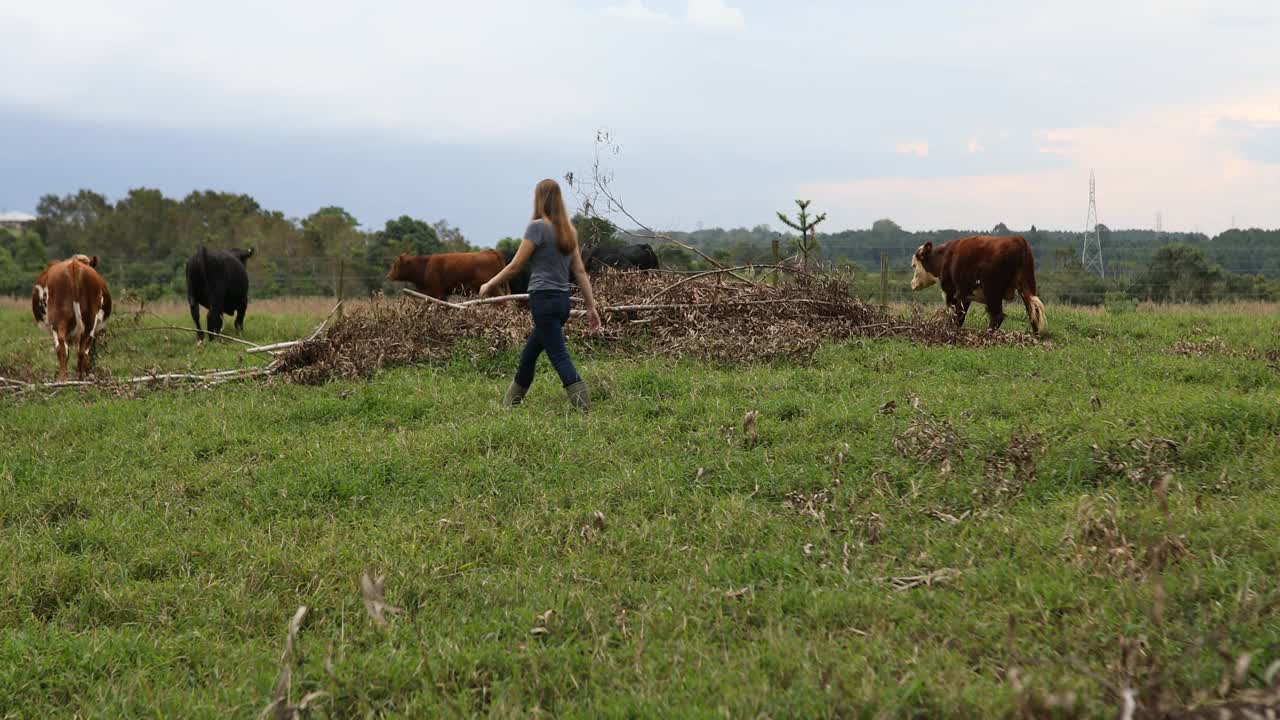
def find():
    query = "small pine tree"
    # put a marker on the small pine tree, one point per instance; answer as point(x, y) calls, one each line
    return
point(807, 243)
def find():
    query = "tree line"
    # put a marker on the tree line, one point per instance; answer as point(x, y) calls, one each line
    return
point(144, 239)
point(1140, 264)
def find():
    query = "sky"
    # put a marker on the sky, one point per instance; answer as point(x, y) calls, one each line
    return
point(935, 113)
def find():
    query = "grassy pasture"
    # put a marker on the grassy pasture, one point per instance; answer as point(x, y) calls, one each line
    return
point(155, 547)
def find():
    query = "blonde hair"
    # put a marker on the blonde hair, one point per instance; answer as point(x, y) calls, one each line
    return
point(548, 204)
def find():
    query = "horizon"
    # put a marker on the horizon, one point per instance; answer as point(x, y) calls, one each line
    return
point(425, 109)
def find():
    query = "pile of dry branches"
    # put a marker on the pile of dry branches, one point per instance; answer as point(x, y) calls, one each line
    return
point(719, 316)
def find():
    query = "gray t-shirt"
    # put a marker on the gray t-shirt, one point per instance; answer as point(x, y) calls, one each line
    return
point(548, 267)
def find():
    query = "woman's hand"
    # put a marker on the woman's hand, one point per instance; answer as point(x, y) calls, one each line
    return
point(593, 320)
point(487, 289)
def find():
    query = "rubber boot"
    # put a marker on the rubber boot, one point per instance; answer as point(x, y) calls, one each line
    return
point(514, 396)
point(579, 396)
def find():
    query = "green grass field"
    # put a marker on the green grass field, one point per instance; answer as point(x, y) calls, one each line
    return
point(155, 547)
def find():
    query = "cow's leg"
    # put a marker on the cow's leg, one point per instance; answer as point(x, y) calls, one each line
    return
point(214, 320)
point(195, 317)
point(240, 319)
point(82, 357)
point(958, 308)
point(995, 304)
point(995, 311)
point(60, 347)
point(90, 318)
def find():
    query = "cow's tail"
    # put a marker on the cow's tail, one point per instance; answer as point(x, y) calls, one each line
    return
point(204, 276)
point(1035, 308)
point(75, 280)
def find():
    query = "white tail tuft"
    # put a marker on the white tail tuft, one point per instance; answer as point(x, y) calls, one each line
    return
point(1037, 314)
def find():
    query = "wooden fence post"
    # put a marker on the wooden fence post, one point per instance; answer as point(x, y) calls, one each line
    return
point(342, 276)
point(884, 279)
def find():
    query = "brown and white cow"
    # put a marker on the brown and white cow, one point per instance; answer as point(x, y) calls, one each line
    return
point(983, 268)
point(444, 273)
point(71, 300)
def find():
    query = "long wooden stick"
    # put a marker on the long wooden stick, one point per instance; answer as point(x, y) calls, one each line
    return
point(217, 376)
point(603, 186)
point(420, 296)
point(492, 300)
point(474, 303)
point(713, 262)
point(649, 306)
point(690, 247)
point(336, 308)
point(675, 306)
point(708, 273)
point(183, 329)
point(273, 347)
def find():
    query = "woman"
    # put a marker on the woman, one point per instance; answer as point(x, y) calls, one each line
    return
point(550, 246)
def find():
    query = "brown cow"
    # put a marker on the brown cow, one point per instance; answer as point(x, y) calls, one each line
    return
point(71, 300)
point(988, 269)
point(444, 273)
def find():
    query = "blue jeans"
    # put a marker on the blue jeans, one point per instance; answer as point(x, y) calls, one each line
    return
point(550, 312)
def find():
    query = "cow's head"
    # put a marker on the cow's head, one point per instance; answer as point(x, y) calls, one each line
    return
point(920, 263)
point(243, 255)
point(650, 255)
point(399, 268)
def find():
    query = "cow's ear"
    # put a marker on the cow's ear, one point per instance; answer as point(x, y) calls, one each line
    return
point(93, 261)
point(928, 248)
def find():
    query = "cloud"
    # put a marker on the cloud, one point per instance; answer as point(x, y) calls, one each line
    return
point(1253, 128)
point(715, 14)
point(918, 149)
point(975, 147)
point(423, 71)
point(1172, 161)
point(636, 10)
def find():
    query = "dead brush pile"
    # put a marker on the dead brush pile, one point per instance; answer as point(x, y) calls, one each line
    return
point(931, 439)
point(1142, 462)
point(644, 313)
point(1217, 347)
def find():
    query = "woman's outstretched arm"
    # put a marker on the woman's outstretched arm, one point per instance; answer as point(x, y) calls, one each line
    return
point(584, 284)
point(515, 266)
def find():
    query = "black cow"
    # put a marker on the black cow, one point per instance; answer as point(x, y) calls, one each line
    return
point(520, 283)
point(626, 257)
point(217, 280)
